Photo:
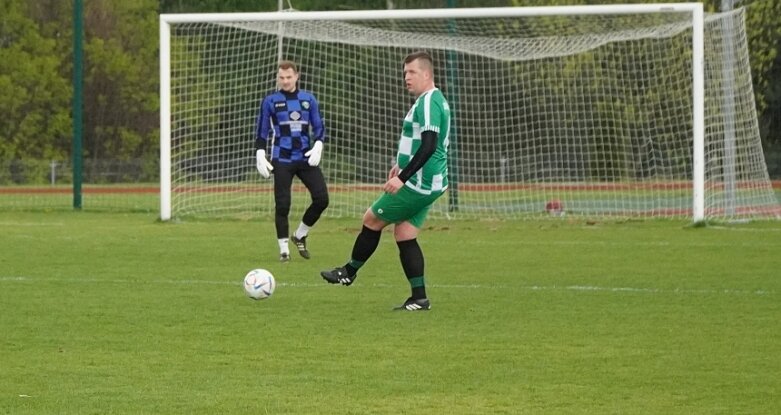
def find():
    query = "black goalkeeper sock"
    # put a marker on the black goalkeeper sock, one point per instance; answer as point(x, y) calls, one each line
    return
point(412, 261)
point(365, 245)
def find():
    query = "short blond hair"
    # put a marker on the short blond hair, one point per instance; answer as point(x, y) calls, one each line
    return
point(288, 65)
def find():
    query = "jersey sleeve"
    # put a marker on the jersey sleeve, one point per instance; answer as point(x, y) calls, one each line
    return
point(318, 127)
point(430, 114)
point(263, 124)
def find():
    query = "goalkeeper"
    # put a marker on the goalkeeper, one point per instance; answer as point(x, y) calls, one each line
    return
point(414, 183)
point(299, 133)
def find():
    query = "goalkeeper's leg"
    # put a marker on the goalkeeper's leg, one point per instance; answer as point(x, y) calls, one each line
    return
point(313, 179)
point(283, 180)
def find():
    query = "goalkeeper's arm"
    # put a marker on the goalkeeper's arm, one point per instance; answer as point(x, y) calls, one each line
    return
point(427, 147)
point(263, 124)
point(262, 129)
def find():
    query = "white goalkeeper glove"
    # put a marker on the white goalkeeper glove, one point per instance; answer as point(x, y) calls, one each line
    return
point(315, 153)
point(264, 167)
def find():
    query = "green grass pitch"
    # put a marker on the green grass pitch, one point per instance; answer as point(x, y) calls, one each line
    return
point(105, 313)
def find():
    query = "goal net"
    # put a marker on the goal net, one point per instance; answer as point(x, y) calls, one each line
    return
point(595, 111)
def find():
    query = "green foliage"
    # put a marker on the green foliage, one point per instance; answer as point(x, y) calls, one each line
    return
point(26, 171)
point(120, 82)
point(121, 68)
point(764, 40)
point(121, 79)
point(216, 6)
point(33, 97)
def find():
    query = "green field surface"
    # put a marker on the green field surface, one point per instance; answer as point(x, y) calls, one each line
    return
point(118, 313)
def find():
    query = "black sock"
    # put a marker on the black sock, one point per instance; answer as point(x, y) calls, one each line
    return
point(412, 261)
point(365, 245)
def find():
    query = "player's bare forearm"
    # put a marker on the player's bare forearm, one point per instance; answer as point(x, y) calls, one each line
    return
point(394, 171)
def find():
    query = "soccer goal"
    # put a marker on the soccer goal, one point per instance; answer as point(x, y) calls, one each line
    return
point(642, 110)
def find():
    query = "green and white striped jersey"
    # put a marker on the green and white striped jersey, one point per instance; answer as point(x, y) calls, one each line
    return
point(429, 113)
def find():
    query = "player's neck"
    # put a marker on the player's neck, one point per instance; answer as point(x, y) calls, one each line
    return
point(429, 88)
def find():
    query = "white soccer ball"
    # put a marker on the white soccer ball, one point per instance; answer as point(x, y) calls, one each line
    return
point(259, 284)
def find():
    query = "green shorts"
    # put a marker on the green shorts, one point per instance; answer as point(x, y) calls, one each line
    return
point(406, 205)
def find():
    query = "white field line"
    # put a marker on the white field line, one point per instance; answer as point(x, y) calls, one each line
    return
point(574, 288)
point(727, 228)
point(22, 224)
point(643, 243)
point(534, 243)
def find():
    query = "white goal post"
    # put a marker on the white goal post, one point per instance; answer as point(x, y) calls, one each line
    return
point(598, 111)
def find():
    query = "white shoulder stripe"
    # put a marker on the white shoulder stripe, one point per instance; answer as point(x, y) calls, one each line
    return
point(427, 108)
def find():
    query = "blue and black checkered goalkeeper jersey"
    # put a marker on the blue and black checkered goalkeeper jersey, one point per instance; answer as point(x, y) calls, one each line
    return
point(295, 117)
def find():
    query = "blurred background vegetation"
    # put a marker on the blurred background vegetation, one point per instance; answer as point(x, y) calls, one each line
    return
point(121, 77)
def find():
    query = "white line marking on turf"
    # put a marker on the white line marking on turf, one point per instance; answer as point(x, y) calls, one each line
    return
point(32, 224)
point(727, 228)
point(647, 243)
point(577, 288)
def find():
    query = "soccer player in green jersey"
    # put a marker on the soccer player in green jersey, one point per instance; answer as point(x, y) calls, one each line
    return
point(415, 182)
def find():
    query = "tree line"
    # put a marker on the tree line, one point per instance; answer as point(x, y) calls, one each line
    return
point(121, 71)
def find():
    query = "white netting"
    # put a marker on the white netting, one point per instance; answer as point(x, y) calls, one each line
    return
point(594, 112)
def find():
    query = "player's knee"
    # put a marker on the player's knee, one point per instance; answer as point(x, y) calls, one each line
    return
point(371, 221)
point(405, 231)
point(320, 202)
